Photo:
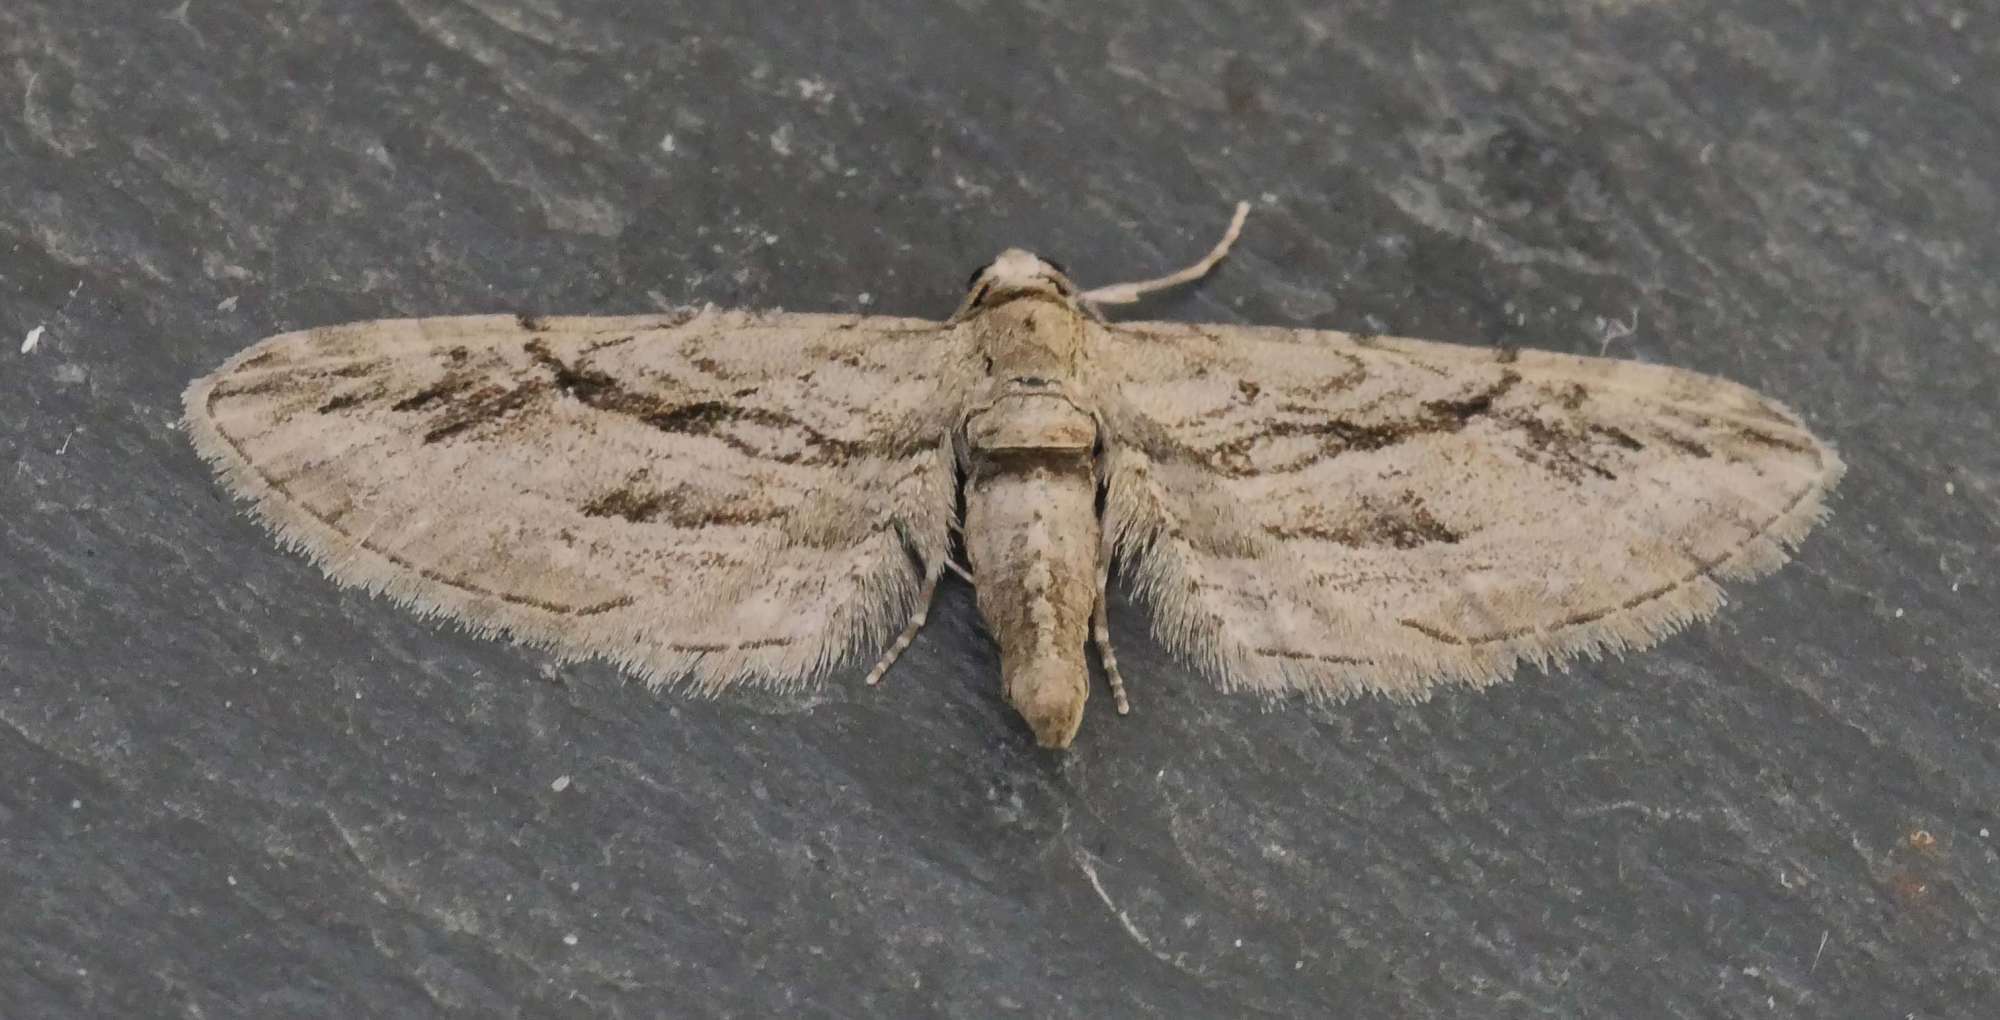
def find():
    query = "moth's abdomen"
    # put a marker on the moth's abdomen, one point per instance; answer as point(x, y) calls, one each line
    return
point(1032, 537)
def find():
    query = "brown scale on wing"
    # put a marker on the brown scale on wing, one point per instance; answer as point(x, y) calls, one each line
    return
point(1338, 435)
point(1404, 523)
point(681, 506)
point(705, 417)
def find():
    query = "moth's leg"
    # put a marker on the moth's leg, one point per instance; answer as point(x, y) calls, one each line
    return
point(1126, 293)
point(1100, 614)
point(909, 633)
point(1100, 632)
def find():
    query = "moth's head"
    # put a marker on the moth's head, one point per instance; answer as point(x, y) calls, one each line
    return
point(1016, 274)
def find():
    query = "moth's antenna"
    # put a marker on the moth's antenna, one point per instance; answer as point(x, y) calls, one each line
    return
point(1126, 293)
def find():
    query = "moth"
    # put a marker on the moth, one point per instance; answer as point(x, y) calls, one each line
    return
point(711, 498)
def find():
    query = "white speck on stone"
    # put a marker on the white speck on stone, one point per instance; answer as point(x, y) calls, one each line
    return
point(1899, 614)
point(570, 939)
point(561, 784)
point(781, 140)
point(812, 90)
point(75, 804)
point(34, 339)
point(864, 299)
point(228, 304)
point(1269, 197)
point(1239, 943)
point(1984, 833)
point(667, 143)
point(232, 879)
point(1950, 489)
point(770, 239)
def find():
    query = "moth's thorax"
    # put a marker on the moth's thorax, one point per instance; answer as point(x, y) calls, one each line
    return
point(1025, 319)
point(1032, 346)
point(1034, 336)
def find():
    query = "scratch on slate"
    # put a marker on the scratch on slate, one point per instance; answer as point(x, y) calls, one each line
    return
point(1087, 862)
point(1690, 815)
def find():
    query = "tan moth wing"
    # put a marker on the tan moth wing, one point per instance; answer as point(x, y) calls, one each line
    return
point(708, 497)
point(1306, 510)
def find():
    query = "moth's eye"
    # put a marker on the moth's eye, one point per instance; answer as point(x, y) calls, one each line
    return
point(974, 278)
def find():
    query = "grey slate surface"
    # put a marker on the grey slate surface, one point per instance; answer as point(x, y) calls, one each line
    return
point(229, 789)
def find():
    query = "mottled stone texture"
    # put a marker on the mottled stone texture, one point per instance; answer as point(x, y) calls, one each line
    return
point(233, 790)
